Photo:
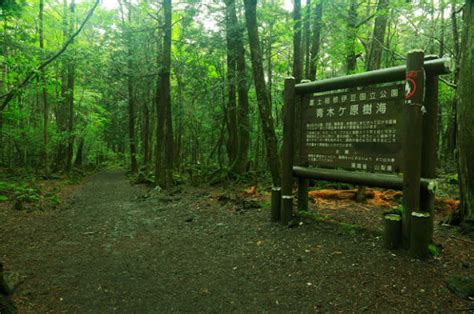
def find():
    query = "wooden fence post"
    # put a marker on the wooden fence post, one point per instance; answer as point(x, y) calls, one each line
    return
point(414, 96)
point(288, 152)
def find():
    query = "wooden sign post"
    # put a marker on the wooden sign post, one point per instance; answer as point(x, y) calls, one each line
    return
point(377, 125)
point(414, 98)
point(288, 151)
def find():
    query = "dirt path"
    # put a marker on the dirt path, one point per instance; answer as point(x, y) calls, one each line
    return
point(118, 247)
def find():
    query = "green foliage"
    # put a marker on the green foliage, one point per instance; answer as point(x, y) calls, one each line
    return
point(349, 229)
point(3, 198)
point(313, 215)
point(114, 39)
point(55, 201)
point(27, 194)
point(453, 178)
point(433, 250)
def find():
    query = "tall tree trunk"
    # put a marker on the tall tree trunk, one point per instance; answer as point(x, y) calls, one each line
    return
point(131, 93)
point(297, 51)
point(178, 141)
point(269, 60)
point(264, 105)
point(61, 111)
point(231, 108)
point(234, 29)
point(351, 58)
point(443, 25)
point(465, 117)
point(377, 44)
point(146, 133)
point(44, 93)
point(164, 158)
point(307, 38)
point(79, 152)
point(451, 133)
point(70, 95)
point(316, 40)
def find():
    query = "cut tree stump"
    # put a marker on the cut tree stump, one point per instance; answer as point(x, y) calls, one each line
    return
point(392, 231)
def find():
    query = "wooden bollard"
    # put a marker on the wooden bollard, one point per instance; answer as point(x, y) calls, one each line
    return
point(276, 203)
point(420, 235)
point(286, 209)
point(303, 194)
point(392, 234)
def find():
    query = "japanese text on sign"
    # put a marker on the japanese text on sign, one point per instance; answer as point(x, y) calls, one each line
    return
point(358, 129)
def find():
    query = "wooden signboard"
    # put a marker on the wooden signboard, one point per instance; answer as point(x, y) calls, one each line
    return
point(359, 129)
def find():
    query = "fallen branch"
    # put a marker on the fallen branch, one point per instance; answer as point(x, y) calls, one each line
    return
point(11, 94)
point(465, 240)
point(452, 85)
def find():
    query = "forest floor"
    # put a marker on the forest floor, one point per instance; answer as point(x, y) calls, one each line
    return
point(114, 246)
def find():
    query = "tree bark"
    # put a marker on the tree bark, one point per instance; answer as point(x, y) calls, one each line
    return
point(231, 108)
point(351, 58)
point(307, 38)
point(297, 51)
point(240, 161)
point(374, 59)
point(164, 157)
point(70, 96)
point(465, 116)
point(316, 40)
point(79, 153)
point(262, 95)
point(131, 90)
point(451, 131)
point(44, 93)
point(146, 133)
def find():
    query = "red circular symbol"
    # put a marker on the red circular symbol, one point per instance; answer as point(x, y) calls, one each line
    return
point(410, 87)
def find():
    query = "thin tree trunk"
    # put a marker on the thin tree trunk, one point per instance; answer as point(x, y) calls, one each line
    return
point(146, 133)
point(374, 59)
point(270, 71)
point(164, 160)
point(307, 38)
point(351, 58)
point(44, 93)
point(451, 133)
point(316, 40)
point(131, 93)
point(79, 153)
point(70, 96)
point(264, 105)
point(231, 112)
point(61, 111)
point(240, 161)
point(297, 51)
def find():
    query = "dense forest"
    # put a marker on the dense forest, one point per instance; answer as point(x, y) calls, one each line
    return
point(191, 87)
point(192, 91)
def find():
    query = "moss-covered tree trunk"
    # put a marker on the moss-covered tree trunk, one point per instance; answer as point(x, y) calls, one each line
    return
point(465, 117)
